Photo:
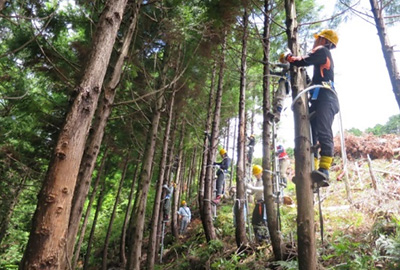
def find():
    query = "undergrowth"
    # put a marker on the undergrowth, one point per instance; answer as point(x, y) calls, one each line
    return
point(358, 235)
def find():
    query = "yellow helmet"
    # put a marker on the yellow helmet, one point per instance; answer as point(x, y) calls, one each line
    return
point(257, 169)
point(329, 34)
point(183, 202)
point(222, 151)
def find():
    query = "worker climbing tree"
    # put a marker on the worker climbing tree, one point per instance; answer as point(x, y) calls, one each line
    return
point(323, 100)
point(222, 171)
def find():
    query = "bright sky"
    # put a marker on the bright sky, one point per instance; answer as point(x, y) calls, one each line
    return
point(361, 79)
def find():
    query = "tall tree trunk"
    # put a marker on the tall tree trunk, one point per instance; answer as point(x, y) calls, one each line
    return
point(96, 136)
point(122, 252)
point(227, 136)
point(144, 184)
point(207, 216)
point(168, 178)
point(270, 204)
point(92, 230)
point(174, 208)
point(139, 208)
point(113, 213)
point(89, 208)
point(206, 142)
point(387, 49)
point(2, 3)
point(184, 180)
point(151, 253)
point(48, 237)
point(233, 151)
point(192, 173)
point(241, 238)
point(305, 211)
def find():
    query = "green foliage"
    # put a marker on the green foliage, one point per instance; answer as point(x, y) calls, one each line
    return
point(355, 131)
point(288, 265)
point(392, 126)
point(227, 264)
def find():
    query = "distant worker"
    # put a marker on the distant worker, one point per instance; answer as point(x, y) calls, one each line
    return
point(259, 218)
point(185, 216)
point(223, 169)
point(284, 162)
point(167, 201)
point(279, 97)
point(250, 145)
point(324, 102)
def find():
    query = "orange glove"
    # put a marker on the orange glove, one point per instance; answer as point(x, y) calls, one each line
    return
point(290, 58)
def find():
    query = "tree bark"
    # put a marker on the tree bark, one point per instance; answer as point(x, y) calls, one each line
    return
point(48, 237)
point(305, 211)
point(96, 136)
point(145, 174)
point(241, 238)
point(151, 253)
point(387, 49)
point(96, 215)
point(126, 221)
point(168, 178)
point(269, 199)
point(175, 204)
point(113, 213)
point(207, 219)
point(89, 208)
point(144, 184)
point(233, 150)
point(192, 172)
point(206, 143)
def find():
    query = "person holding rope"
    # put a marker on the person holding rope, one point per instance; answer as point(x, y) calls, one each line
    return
point(324, 103)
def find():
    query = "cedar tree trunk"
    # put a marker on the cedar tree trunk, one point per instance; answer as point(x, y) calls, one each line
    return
point(48, 237)
point(387, 49)
point(269, 199)
point(305, 211)
point(241, 238)
point(96, 136)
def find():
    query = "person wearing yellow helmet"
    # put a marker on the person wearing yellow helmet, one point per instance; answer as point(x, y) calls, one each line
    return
point(223, 169)
point(185, 216)
point(323, 100)
point(259, 217)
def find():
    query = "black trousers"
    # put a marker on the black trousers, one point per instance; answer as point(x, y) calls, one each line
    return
point(259, 222)
point(321, 122)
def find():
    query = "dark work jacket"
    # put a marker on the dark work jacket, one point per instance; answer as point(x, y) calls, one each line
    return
point(321, 58)
point(224, 164)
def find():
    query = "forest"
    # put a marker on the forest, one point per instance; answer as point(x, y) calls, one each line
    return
point(117, 117)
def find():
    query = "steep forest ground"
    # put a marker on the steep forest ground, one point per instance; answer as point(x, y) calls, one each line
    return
point(361, 222)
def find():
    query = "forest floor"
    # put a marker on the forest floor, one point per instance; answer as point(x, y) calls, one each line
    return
point(361, 221)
